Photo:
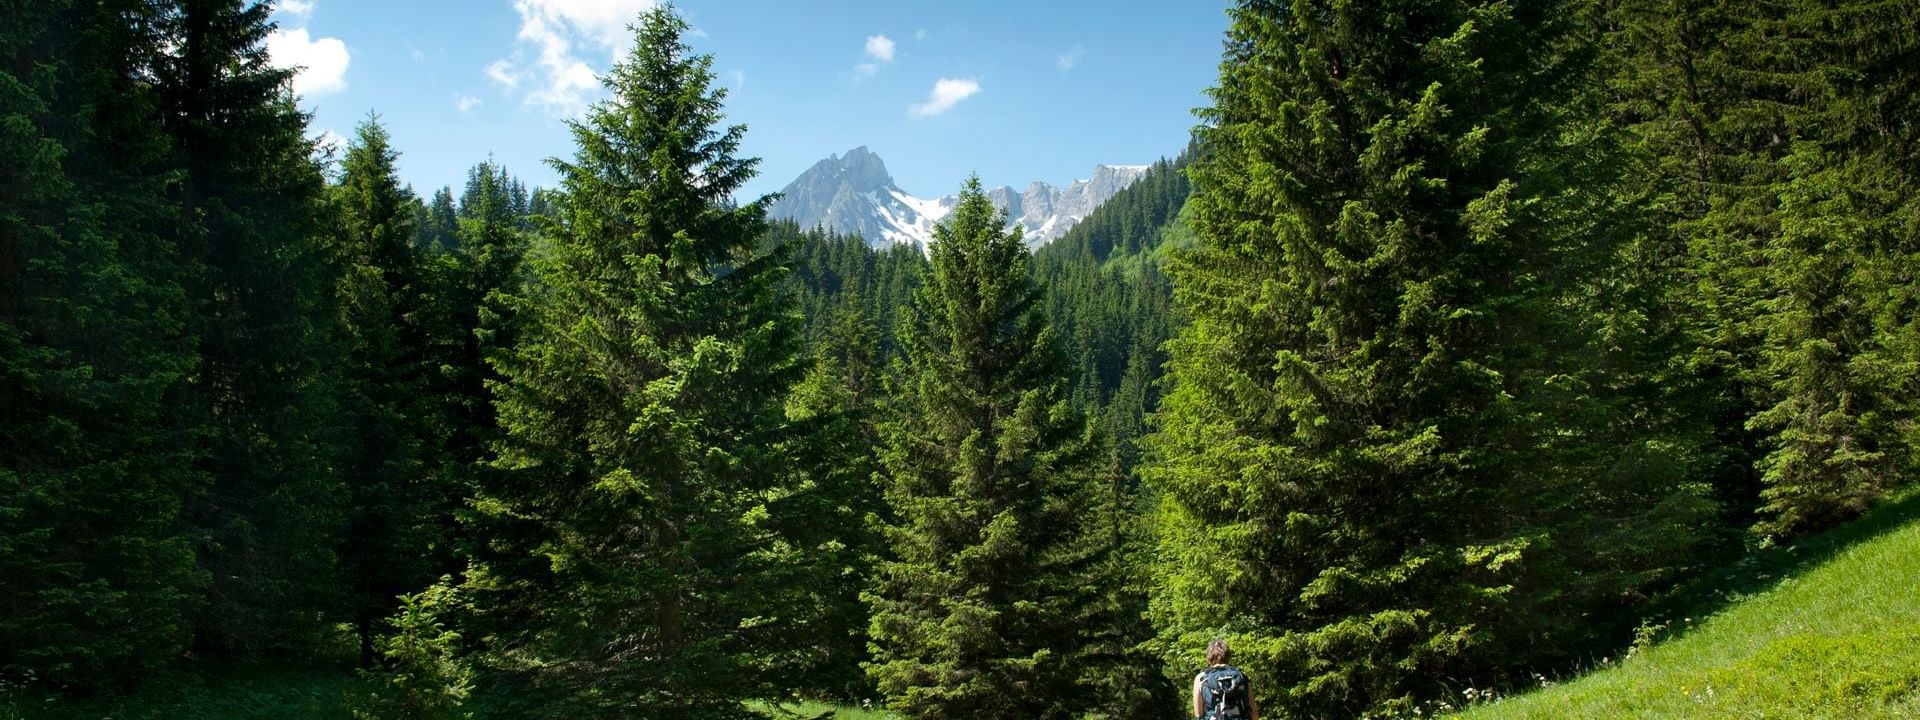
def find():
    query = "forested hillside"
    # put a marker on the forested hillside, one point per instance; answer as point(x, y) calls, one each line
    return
point(1459, 337)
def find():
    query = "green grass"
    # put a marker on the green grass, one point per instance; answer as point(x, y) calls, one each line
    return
point(1826, 628)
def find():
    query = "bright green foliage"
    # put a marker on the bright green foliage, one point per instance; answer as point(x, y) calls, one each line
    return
point(250, 204)
point(96, 575)
point(642, 411)
point(1480, 315)
point(398, 503)
point(1838, 268)
point(989, 474)
point(423, 677)
point(1841, 388)
point(1395, 450)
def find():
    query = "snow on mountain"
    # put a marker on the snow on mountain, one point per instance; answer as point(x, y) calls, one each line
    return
point(853, 193)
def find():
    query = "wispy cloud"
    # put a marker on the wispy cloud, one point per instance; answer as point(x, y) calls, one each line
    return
point(465, 102)
point(947, 92)
point(1070, 58)
point(503, 72)
point(739, 79)
point(920, 34)
point(300, 10)
point(879, 51)
point(880, 47)
point(561, 34)
point(319, 64)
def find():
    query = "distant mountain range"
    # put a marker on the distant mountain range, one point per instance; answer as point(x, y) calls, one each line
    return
point(853, 193)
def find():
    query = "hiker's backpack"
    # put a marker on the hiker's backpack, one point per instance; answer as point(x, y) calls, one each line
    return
point(1223, 690)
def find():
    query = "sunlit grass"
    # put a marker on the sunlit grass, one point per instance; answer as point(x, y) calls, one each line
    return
point(1836, 636)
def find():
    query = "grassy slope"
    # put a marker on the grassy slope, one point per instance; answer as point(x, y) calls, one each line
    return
point(1826, 628)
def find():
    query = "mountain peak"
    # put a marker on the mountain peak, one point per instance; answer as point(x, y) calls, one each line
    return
point(853, 193)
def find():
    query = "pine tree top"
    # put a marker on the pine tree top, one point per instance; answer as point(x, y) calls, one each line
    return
point(655, 168)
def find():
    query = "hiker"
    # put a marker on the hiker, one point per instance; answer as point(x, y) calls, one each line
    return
point(1222, 692)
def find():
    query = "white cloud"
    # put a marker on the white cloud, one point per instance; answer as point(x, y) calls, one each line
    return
point(560, 33)
point(465, 102)
point(1070, 58)
point(503, 72)
point(739, 79)
point(300, 10)
point(319, 64)
point(418, 55)
point(947, 92)
point(879, 47)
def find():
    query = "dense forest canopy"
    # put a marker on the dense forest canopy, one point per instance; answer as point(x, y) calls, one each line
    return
point(1461, 332)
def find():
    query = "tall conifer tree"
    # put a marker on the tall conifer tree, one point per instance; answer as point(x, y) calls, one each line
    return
point(250, 202)
point(397, 497)
point(472, 308)
point(95, 453)
point(1836, 318)
point(1391, 452)
point(995, 583)
point(1775, 134)
point(641, 409)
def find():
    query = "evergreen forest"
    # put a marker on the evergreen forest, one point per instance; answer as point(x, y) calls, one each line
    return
point(1462, 337)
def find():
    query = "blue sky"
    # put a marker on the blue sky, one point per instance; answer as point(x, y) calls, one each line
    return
point(1015, 91)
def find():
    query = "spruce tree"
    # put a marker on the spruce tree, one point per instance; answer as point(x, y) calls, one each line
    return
point(249, 200)
point(984, 608)
point(95, 454)
point(1776, 138)
point(641, 409)
point(1834, 444)
point(437, 222)
point(1392, 450)
point(473, 309)
point(1836, 319)
point(397, 496)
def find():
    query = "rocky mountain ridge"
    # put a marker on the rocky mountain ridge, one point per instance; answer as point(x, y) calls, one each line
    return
point(854, 193)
